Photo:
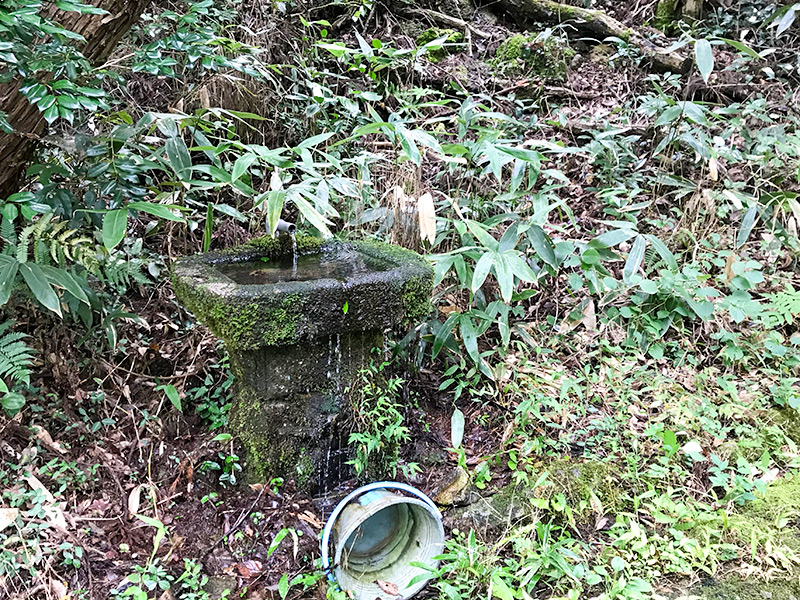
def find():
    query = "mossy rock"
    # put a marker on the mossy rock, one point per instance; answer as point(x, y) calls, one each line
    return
point(434, 33)
point(526, 55)
point(578, 481)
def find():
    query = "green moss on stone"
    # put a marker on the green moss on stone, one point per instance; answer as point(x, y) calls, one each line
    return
point(666, 13)
point(434, 33)
point(417, 299)
point(736, 588)
point(279, 245)
point(578, 481)
point(524, 55)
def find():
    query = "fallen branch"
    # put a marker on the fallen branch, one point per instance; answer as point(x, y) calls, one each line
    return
point(449, 21)
point(593, 23)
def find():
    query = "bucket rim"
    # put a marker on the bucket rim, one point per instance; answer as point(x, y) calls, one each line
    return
point(390, 485)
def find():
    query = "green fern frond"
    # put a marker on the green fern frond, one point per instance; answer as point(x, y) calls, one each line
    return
point(16, 357)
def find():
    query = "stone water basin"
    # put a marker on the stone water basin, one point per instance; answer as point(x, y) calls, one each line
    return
point(297, 332)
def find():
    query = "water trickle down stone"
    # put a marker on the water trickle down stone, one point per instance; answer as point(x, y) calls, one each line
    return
point(294, 254)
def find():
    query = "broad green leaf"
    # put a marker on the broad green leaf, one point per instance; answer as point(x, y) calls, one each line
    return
point(51, 114)
point(241, 165)
point(275, 200)
point(704, 57)
point(162, 211)
point(484, 237)
point(173, 395)
point(228, 210)
point(542, 245)
point(663, 251)
point(312, 215)
point(64, 279)
point(114, 225)
point(314, 140)
point(635, 258)
point(8, 273)
point(40, 287)
point(178, 156)
point(283, 586)
point(743, 48)
point(444, 333)
point(12, 402)
point(590, 256)
point(408, 145)
point(470, 338)
point(695, 112)
point(504, 277)
point(609, 239)
point(482, 268)
point(500, 588)
point(787, 19)
point(519, 267)
point(748, 222)
point(456, 428)
point(669, 115)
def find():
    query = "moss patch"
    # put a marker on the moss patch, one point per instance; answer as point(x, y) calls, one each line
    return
point(578, 481)
point(788, 420)
point(666, 14)
point(525, 55)
point(735, 588)
point(280, 245)
point(772, 517)
point(451, 37)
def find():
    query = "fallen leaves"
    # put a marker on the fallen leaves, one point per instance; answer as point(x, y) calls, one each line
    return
point(427, 218)
point(7, 517)
point(388, 587)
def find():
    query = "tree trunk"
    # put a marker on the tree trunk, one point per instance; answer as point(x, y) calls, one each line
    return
point(593, 23)
point(102, 33)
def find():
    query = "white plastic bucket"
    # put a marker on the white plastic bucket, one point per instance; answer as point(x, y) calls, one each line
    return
point(375, 534)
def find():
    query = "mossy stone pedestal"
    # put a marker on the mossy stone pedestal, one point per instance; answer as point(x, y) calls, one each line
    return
point(296, 344)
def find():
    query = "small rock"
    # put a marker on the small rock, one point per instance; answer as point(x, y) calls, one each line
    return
point(765, 594)
point(218, 584)
point(495, 513)
point(454, 488)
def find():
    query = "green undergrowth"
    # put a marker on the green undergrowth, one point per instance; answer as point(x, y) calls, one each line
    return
point(625, 476)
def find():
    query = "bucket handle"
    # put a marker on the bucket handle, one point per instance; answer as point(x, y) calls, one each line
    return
point(391, 485)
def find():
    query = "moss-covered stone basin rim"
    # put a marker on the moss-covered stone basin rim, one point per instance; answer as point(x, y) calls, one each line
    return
point(375, 286)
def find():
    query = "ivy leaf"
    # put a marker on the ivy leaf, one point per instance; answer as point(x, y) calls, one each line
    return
point(704, 57)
